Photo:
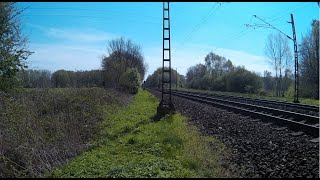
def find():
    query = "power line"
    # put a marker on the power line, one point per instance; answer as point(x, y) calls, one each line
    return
point(75, 15)
point(93, 10)
point(95, 17)
point(272, 26)
point(280, 12)
point(245, 31)
point(288, 11)
point(238, 34)
point(277, 18)
point(97, 10)
point(204, 19)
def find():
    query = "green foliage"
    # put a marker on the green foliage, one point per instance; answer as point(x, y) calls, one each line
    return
point(130, 81)
point(154, 80)
point(217, 65)
point(63, 78)
point(13, 51)
point(262, 92)
point(309, 63)
point(290, 92)
point(123, 55)
point(34, 78)
point(132, 145)
point(238, 80)
point(8, 84)
point(249, 89)
point(219, 74)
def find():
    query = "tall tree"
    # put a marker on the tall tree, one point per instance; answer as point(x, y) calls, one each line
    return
point(154, 80)
point(267, 81)
point(215, 64)
point(123, 55)
point(196, 72)
point(278, 51)
point(35, 78)
point(13, 50)
point(309, 62)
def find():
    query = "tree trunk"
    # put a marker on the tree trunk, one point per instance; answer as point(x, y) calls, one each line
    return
point(277, 84)
point(280, 87)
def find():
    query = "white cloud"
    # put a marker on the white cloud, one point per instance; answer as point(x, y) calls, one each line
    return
point(76, 49)
point(85, 57)
point(85, 35)
point(76, 53)
point(68, 57)
point(75, 35)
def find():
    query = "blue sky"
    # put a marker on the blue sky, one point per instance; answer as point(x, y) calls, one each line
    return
point(74, 35)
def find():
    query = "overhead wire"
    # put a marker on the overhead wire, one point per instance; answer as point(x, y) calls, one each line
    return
point(196, 28)
point(96, 10)
point(97, 17)
point(286, 13)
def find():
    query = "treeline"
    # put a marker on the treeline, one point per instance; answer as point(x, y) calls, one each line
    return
point(60, 79)
point(123, 69)
point(154, 80)
point(309, 63)
point(219, 74)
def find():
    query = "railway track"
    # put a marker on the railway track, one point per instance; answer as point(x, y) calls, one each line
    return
point(300, 108)
point(299, 122)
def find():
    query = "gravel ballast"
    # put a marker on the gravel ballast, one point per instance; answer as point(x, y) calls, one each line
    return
point(257, 148)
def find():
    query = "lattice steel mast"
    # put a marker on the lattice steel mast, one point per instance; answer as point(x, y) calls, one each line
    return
point(166, 105)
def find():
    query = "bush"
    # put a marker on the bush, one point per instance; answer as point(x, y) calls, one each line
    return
point(249, 89)
point(8, 84)
point(238, 80)
point(41, 129)
point(130, 81)
point(290, 91)
point(262, 92)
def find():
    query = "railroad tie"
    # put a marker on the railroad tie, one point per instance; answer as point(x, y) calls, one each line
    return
point(297, 133)
point(280, 128)
point(316, 140)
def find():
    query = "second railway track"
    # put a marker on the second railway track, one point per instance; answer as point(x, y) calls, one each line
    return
point(296, 107)
point(309, 124)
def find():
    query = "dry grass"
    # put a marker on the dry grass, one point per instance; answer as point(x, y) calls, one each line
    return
point(43, 128)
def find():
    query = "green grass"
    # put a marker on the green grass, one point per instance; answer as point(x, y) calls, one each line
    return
point(133, 145)
point(288, 99)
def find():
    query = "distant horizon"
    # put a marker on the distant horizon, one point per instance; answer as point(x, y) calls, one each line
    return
point(76, 34)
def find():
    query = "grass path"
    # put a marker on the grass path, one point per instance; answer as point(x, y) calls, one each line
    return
point(132, 145)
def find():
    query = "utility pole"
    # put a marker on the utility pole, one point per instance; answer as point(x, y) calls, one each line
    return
point(166, 106)
point(176, 79)
point(296, 64)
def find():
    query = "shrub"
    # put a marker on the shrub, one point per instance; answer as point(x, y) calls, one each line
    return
point(262, 92)
point(130, 81)
point(41, 129)
point(249, 89)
